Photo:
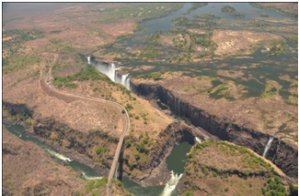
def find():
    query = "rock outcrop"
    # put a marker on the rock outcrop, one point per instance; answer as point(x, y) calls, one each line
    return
point(282, 154)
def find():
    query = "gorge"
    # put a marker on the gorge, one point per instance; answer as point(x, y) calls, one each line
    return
point(280, 153)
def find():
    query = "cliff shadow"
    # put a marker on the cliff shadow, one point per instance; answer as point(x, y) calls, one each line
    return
point(121, 163)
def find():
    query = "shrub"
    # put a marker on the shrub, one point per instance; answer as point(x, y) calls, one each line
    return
point(95, 184)
point(188, 193)
point(87, 73)
point(100, 150)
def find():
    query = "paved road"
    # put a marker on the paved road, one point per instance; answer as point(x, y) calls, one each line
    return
point(46, 85)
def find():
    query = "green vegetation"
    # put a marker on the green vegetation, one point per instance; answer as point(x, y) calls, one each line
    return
point(232, 11)
point(272, 88)
point(149, 53)
point(188, 193)
point(200, 170)
point(13, 57)
point(154, 39)
point(87, 73)
point(278, 47)
point(152, 75)
point(193, 45)
point(228, 9)
point(140, 12)
point(202, 40)
point(25, 117)
point(95, 187)
point(293, 39)
point(129, 107)
point(20, 36)
point(221, 90)
point(17, 62)
point(205, 22)
point(249, 160)
point(180, 40)
point(61, 46)
point(274, 187)
point(100, 150)
point(138, 150)
point(292, 100)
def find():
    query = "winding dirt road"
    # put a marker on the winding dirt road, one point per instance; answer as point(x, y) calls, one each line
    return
point(47, 87)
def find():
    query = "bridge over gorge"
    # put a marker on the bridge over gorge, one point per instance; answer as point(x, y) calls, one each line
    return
point(118, 151)
point(46, 85)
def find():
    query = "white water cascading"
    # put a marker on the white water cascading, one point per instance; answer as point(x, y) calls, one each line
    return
point(268, 145)
point(88, 60)
point(112, 73)
point(107, 69)
point(86, 177)
point(59, 156)
point(125, 81)
point(198, 140)
point(171, 184)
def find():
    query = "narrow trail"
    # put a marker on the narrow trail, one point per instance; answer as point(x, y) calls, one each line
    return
point(45, 82)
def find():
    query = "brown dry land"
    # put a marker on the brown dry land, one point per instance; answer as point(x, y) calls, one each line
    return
point(28, 170)
point(289, 8)
point(71, 30)
point(266, 114)
point(240, 42)
point(222, 168)
point(72, 26)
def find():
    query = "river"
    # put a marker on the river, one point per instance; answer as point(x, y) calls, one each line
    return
point(175, 162)
point(257, 68)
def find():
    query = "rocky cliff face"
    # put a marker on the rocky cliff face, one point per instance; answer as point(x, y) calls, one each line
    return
point(81, 146)
point(280, 153)
point(176, 132)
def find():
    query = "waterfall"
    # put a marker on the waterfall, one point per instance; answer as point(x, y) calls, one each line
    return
point(88, 60)
point(59, 156)
point(112, 73)
point(107, 69)
point(86, 177)
point(125, 81)
point(171, 184)
point(123, 78)
point(268, 145)
point(198, 140)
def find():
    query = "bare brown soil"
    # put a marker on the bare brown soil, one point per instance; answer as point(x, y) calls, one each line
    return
point(28, 170)
point(76, 26)
point(220, 169)
point(228, 41)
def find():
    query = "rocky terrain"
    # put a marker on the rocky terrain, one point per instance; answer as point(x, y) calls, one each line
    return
point(282, 153)
point(142, 157)
point(28, 170)
point(222, 168)
point(188, 78)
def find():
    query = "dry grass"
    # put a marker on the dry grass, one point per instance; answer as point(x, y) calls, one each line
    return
point(228, 41)
point(212, 168)
point(265, 114)
point(32, 169)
